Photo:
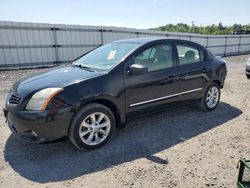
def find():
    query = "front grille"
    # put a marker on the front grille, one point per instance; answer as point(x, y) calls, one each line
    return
point(14, 99)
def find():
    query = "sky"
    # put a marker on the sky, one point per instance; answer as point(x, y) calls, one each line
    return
point(141, 14)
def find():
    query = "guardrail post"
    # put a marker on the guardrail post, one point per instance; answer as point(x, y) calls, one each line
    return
point(137, 35)
point(225, 48)
point(239, 45)
point(102, 39)
point(56, 43)
point(207, 42)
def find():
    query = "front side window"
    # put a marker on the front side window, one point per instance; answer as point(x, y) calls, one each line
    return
point(187, 54)
point(156, 57)
point(107, 56)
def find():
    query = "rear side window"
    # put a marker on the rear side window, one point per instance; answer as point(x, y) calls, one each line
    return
point(188, 54)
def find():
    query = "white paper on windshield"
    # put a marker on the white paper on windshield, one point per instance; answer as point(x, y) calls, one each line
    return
point(112, 54)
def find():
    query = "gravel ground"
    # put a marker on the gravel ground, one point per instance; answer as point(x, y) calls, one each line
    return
point(178, 148)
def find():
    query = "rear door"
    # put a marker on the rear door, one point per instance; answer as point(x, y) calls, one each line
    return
point(191, 71)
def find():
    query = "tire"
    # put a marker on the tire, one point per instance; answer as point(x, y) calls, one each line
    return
point(210, 98)
point(92, 126)
point(248, 76)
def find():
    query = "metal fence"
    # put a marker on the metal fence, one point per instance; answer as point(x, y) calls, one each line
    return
point(35, 45)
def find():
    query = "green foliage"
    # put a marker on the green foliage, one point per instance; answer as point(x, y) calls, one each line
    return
point(209, 30)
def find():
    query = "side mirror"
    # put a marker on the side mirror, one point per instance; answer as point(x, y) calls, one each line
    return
point(137, 69)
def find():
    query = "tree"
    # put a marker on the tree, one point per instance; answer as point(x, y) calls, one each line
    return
point(209, 30)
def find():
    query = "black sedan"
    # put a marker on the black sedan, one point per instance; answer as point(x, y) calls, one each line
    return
point(104, 88)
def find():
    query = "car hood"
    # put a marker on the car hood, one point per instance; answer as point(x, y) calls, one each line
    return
point(55, 77)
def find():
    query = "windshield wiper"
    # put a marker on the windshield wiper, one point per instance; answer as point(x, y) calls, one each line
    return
point(84, 67)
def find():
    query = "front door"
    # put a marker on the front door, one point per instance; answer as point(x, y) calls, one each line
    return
point(157, 86)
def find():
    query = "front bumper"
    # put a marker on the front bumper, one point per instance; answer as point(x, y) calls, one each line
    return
point(39, 126)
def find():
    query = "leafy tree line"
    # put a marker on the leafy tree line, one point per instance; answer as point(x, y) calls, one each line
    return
point(210, 29)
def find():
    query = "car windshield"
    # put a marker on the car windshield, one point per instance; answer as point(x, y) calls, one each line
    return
point(105, 57)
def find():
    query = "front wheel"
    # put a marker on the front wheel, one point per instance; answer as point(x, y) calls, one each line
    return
point(92, 126)
point(210, 98)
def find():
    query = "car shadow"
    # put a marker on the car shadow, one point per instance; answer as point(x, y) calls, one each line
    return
point(141, 138)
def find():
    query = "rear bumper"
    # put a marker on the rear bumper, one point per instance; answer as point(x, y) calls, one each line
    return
point(222, 83)
point(39, 126)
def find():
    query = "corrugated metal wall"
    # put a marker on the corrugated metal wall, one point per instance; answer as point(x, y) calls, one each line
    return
point(33, 45)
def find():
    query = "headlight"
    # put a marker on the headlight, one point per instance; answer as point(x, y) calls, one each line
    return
point(40, 99)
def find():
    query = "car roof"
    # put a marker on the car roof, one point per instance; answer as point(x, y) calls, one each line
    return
point(138, 40)
point(142, 41)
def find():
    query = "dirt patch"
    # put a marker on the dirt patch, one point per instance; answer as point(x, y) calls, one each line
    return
point(179, 148)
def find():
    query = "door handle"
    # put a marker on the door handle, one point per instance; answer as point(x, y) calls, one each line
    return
point(169, 79)
point(205, 70)
point(172, 78)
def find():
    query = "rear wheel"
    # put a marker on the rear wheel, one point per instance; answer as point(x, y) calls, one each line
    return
point(211, 98)
point(92, 126)
point(248, 76)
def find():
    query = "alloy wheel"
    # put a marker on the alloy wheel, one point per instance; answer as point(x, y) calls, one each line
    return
point(95, 128)
point(212, 97)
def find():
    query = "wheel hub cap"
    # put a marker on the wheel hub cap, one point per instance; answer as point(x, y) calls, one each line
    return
point(95, 128)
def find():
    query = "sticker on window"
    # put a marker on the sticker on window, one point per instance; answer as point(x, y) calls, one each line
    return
point(112, 54)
